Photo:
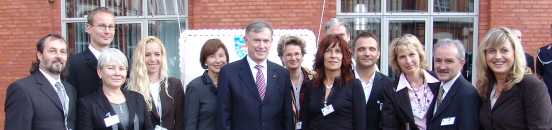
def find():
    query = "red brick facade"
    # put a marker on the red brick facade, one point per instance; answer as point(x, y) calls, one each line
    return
point(22, 22)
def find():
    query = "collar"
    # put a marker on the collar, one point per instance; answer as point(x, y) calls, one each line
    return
point(252, 63)
point(94, 51)
point(448, 84)
point(369, 80)
point(50, 79)
point(403, 83)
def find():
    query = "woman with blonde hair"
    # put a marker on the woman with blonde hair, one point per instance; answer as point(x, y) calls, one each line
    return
point(164, 95)
point(511, 98)
point(407, 103)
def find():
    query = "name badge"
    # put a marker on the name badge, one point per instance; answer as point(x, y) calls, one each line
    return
point(111, 120)
point(447, 121)
point(327, 110)
point(298, 125)
point(157, 127)
point(380, 104)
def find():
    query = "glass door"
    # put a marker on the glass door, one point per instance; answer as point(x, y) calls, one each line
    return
point(395, 28)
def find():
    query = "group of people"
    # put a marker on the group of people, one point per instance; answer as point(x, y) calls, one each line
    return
point(257, 94)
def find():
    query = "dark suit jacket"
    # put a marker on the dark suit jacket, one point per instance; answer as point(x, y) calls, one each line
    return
point(173, 106)
point(375, 102)
point(83, 74)
point(33, 104)
point(243, 109)
point(530, 62)
point(397, 111)
point(94, 108)
point(347, 101)
point(461, 103)
point(201, 104)
point(526, 106)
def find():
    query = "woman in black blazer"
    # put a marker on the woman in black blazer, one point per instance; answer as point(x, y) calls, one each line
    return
point(336, 100)
point(407, 104)
point(111, 107)
point(512, 99)
point(201, 93)
point(164, 95)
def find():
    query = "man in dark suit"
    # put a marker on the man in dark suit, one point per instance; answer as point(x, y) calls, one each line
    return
point(41, 101)
point(366, 54)
point(456, 104)
point(528, 58)
point(82, 66)
point(255, 93)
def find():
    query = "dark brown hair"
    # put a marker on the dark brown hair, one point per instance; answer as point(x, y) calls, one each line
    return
point(329, 42)
point(40, 48)
point(364, 35)
point(210, 47)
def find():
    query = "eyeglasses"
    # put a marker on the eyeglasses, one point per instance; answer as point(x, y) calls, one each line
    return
point(105, 27)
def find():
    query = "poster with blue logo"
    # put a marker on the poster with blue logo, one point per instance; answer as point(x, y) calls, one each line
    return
point(191, 41)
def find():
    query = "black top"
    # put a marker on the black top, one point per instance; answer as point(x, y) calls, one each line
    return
point(82, 69)
point(347, 100)
point(94, 108)
point(201, 104)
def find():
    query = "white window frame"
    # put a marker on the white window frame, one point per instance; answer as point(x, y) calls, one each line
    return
point(428, 17)
point(142, 20)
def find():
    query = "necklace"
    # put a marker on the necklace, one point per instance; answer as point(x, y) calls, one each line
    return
point(421, 99)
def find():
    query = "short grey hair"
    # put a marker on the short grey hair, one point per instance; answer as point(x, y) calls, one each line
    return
point(334, 22)
point(112, 55)
point(258, 26)
point(449, 42)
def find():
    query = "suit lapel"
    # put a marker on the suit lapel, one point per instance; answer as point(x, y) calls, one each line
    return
point(246, 78)
point(271, 78)
point(404, 103)
point(47, 89)
point(90, 59)
point(376, 87)
point(506, 95)
point(449, 97)
point(131, 104)
point(72, 97)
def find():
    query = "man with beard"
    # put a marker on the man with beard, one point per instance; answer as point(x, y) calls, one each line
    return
point(82, 67)
point(42, 101)
point(456, 105)
point(366, 54)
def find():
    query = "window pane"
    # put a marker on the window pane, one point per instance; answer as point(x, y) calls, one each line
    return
point(453, 5)
point(77, 37)
point(168, 32)
point(360, 6)
point(126, 37)
point(80, 8)
point(399, 28)
point(407, 5)
point(363, 24)
point(459, 29)
point(125, 7)
point(166, 7)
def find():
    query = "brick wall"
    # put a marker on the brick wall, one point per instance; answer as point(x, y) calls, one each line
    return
point(22, 22)
point(282, 14)
point(532, 17)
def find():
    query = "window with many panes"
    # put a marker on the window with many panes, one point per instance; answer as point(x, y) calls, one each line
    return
point(134, 19)
point(430, 20)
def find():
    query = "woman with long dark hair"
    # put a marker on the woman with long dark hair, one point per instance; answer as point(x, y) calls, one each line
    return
point(336, 100)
